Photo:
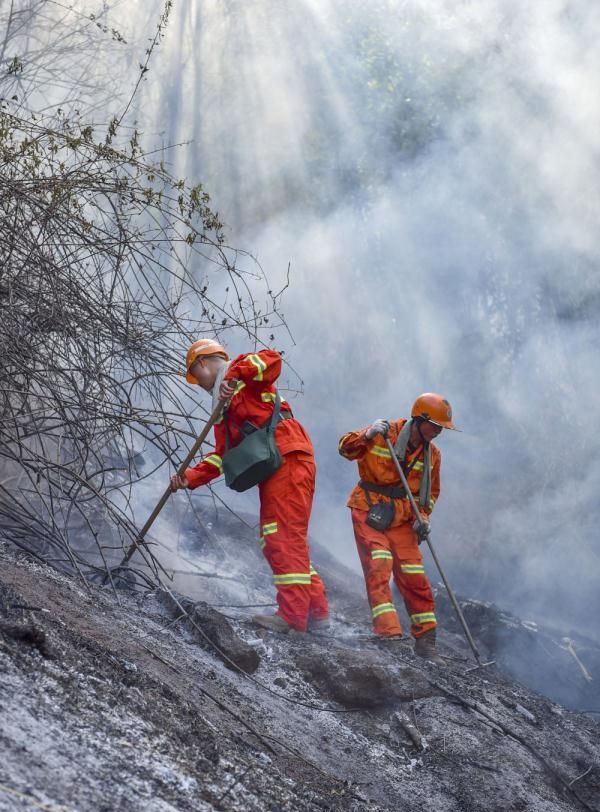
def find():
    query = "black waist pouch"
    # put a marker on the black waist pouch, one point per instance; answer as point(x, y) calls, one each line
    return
point(381, 515)
point(255, 458)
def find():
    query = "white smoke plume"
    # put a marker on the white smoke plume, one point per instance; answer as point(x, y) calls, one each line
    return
point(431, 173)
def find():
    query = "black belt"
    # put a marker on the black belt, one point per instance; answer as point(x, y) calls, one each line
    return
point(392, 491)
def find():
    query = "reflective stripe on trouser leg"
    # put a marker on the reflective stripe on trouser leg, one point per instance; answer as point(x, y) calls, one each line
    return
point(291, 578)
point(423, 617)
point(377, 561)
point(414, 586)
point(267, 530)
point(382, 609)
point(285, 505)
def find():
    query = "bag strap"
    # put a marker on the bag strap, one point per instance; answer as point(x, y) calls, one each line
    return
point(273, 420)
point(408, 468)
point(226, 427)
point(276, 412)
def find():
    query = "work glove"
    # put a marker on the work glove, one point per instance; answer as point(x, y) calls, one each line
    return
point(380, 426)
point(422, 529)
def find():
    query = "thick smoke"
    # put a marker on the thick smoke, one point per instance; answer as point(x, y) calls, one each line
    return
point(431, 173)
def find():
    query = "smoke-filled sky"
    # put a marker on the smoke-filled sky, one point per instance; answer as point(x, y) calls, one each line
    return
point(432, 173)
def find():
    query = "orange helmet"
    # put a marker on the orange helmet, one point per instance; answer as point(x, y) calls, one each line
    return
point(205, 346)
point(435, 409)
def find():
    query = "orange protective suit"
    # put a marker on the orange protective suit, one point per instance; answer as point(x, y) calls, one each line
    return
point(394, 551)
point(285, 497)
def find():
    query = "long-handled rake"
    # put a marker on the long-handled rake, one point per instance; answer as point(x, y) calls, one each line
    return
point(453, 600)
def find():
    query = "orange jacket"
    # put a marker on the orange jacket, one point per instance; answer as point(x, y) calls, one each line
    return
point(253, 401)
point(375, 465)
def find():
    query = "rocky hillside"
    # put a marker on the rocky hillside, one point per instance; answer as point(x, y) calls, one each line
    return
point(143, 700)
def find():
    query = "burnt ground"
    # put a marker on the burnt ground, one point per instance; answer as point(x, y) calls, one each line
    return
point(109, 702)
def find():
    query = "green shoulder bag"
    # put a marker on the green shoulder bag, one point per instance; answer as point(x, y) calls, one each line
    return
point(256, 457)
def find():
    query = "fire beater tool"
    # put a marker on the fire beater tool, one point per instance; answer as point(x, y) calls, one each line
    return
point(451, 594)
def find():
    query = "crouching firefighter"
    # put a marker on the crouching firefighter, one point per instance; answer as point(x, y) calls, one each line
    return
point(387, 535)
point(256, 417)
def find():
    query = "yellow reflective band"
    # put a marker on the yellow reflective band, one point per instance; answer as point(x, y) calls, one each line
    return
point(418, 466)
point(269, 528)
point(260, 366)
point(430, 504)
point(290, 578)
point(382, 608)
point(412, 568)
point(382, 554)
point(268, 397)
point(263, 543)
point(424, 617)
point(380, 452)
point(238, 388)
point(214, 459)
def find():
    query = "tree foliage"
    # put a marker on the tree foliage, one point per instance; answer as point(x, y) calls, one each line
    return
point(108, 265)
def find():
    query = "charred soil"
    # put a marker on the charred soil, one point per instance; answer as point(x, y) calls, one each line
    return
point(119, 702)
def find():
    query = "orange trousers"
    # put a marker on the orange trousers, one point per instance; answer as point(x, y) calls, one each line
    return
point(384, 553)
point(285, 504)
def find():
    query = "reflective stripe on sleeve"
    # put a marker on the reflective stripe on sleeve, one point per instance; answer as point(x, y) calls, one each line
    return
point(214, 459)
point(382, 554)
point(291, 578)
point(260, 366)
point(412, 569)
point(423, 617)
point(268, 529)
point(378, 451)
point(382, 608)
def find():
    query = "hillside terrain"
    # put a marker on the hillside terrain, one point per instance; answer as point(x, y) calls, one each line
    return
point(146, 700)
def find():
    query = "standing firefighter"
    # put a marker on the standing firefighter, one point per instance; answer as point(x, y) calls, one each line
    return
point(386, 533)
point(286, 494)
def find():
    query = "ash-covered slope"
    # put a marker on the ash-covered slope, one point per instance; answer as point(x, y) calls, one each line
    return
point(113, 704)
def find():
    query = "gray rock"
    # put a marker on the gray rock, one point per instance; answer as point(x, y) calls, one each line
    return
point(364, 679)
point(213, 631)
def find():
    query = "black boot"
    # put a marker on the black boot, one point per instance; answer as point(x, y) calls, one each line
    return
point(425, 648)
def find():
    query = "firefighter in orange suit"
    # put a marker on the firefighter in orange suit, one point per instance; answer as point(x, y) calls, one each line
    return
point(394, 550)
point(285, 496)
